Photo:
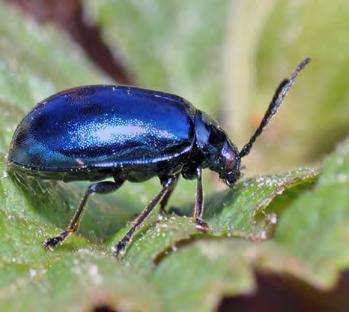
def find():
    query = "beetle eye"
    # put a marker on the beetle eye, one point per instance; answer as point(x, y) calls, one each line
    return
point(227, 158)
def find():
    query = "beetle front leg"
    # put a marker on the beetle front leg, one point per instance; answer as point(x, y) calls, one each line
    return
point(199, 204)
point(100, 188)
point(120, 248)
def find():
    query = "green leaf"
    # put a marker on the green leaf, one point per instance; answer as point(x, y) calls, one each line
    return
point(315, 227)
point(266, 41)
point(79, 281)
point(198, 277)
point(240, 212)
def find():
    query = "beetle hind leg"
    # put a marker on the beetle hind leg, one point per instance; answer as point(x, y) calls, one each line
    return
point(99, 188)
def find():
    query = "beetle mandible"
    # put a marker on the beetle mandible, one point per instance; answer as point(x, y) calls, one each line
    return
point(129, 134)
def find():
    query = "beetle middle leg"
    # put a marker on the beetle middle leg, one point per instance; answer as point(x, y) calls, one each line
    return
point(100, 188)
point(199, 204)
point(167, 185)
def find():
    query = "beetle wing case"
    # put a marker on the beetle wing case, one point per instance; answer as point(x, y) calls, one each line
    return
point(96, 130)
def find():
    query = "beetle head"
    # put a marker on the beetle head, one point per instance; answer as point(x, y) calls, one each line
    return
point(228, 163)
point(219, 153)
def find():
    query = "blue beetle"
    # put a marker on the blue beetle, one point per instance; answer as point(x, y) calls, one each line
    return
point(129, 134)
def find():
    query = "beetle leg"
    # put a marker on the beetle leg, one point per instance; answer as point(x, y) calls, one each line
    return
point(100, 188)
point(199, 203)
point(166, 198)
point(120, 248)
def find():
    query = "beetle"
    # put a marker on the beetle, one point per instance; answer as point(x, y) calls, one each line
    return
point(130, 134)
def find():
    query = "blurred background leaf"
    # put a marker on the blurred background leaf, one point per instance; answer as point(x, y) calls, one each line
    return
point(267, 39)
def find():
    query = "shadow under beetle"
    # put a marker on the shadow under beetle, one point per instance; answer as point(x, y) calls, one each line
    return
point(128, 133)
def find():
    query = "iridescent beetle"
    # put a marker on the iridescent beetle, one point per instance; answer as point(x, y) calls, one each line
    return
point(129, 134)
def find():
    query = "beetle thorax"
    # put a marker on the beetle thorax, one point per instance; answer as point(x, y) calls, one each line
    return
point(214, 150)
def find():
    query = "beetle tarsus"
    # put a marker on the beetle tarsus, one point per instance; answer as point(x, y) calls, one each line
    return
point(119, 249)
point(201, 225)
point(51, 243)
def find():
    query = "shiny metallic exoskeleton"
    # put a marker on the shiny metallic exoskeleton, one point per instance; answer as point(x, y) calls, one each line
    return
point(129, 134)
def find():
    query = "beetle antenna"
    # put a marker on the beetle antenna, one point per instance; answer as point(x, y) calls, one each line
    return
point(275, 103)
